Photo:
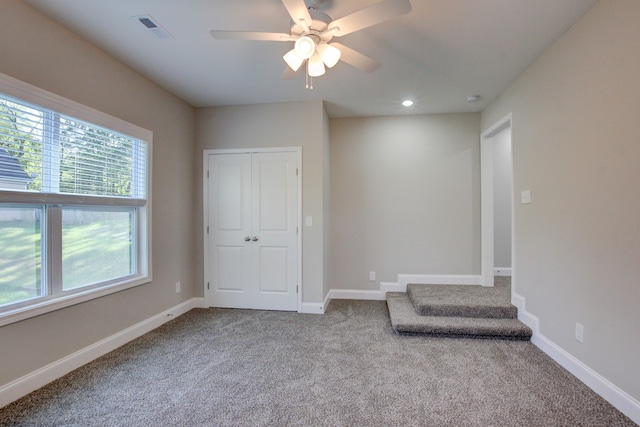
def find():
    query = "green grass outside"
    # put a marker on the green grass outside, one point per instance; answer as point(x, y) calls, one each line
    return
point(20, 261)
point(96, 252)
point(92, 253)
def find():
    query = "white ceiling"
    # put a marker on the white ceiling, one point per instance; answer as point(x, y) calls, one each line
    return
point(438, 55)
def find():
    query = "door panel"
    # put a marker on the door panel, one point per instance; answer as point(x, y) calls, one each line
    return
point(273, 269)
point(229, 206)
point(253, 241)
point(229, 193)
point(230, 269)
point(272, 194)
point(275, 198)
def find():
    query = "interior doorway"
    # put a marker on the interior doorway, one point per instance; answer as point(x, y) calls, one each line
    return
point(497, 200)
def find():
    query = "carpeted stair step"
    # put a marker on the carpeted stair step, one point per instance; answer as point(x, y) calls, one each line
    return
point(462, 301)
point(405, 320)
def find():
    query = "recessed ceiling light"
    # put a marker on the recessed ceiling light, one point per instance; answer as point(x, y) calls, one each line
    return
point(407, 103)
point(473, 98)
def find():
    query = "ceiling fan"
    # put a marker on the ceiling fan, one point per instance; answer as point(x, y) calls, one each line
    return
point(312, 31)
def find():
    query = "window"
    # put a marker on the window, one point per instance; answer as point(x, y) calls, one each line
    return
point(74, 211)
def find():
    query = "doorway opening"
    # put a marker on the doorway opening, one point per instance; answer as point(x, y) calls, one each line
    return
point(497, 201)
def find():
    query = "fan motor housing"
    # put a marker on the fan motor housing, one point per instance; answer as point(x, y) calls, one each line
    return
point(320, 22)
point(314, 4)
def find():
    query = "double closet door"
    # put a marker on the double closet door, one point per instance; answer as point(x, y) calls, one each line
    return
point(251, 220)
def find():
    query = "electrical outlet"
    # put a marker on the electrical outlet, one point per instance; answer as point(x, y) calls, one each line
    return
point(372, 276)
point(579, 332)
point(178, 287)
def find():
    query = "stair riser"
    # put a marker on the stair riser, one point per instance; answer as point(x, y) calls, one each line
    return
point(466, 336)
point(456, 331)
point(462, 311)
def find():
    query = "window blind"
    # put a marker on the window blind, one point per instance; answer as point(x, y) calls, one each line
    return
point(47, 152)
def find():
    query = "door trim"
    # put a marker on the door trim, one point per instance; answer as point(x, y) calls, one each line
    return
point(205, 207)
point(486, 191)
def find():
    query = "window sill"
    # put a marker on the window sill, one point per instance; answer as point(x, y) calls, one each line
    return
point(39, 308)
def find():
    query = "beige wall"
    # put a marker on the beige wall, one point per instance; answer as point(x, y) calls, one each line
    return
point(405, 198)
point(275, 125)
point(576, 130)
point(38, 51)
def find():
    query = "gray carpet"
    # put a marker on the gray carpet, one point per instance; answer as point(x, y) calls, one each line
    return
point(463, 300)
point(218, 367)
point(405, 320)
point(468, 311)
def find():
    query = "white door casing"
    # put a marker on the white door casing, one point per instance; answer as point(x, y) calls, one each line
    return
point(252, 214)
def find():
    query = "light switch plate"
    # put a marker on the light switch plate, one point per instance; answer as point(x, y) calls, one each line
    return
point(309, 221)
point(525, 197)
point(579, 333)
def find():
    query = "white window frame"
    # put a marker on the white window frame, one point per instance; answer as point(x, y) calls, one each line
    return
point(41, 305)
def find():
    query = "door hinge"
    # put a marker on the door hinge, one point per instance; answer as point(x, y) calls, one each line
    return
point(296, 230)
point(208, 286)
point(207, 229)
point(207, 174)
point(296, 171)
point(296, 289)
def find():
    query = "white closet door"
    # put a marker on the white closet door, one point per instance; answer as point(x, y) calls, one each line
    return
point(274, 253)
point(253, 244)
point(229, 213)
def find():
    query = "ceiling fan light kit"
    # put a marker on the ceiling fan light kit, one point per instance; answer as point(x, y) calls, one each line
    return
point(316, 66)
point(313, 30)
point(293, 60)
point(305, 47)
point(330, 54)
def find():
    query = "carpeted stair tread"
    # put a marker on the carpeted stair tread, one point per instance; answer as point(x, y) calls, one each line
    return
point(405, 320)
point(462, 301)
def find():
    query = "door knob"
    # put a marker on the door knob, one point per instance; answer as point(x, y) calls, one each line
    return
point(246, 239)
point(255, 238)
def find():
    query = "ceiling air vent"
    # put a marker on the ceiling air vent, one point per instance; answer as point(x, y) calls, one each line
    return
point(150, 24)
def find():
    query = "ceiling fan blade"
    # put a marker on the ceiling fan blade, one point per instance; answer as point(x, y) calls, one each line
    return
point(372, 15)
point(289, 74)
point(298, 12)
point(356, 59)
point(251, 35)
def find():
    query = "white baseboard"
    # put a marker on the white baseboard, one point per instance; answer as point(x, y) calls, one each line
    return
point(316, 307)
point(606, 389)
point(43, 376)
point(523, 315)
point(401, 285)
point(198, 302)
point(326, 302)
point(313, 307)
point(439, 279)
point(502, 271)
point(321, 308)
point(357, 294)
